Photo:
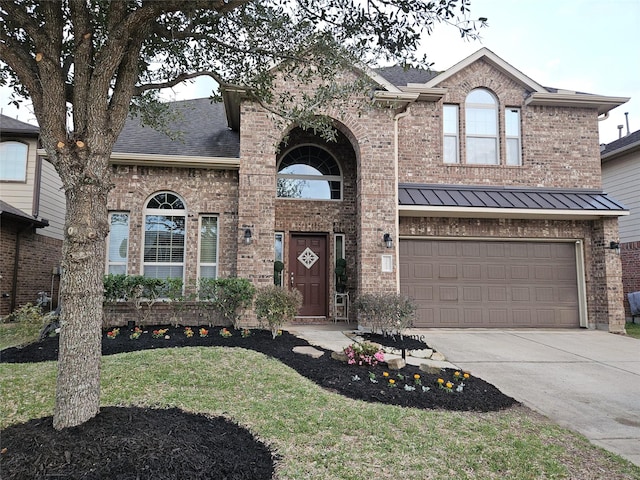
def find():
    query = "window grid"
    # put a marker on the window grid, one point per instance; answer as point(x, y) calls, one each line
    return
point(164, 237)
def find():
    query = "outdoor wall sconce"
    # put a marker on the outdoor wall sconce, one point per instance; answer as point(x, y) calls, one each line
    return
point(388, 241)
point(247, 236)
point(615, 246)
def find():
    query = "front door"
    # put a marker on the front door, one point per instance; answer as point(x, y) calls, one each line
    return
point(308, 272)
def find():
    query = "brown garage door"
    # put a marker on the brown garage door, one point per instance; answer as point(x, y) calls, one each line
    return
point(490, 284)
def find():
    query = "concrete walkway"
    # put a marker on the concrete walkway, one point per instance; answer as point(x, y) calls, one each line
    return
point(584, 380)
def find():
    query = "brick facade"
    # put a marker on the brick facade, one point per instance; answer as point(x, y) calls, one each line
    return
point(204, 191)
point(559, 150)
point(630, 257)
point(38, 256)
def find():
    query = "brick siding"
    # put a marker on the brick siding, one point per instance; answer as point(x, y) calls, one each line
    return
point(38, 257)
point(630, 257)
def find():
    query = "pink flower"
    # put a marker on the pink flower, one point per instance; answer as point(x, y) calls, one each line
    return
point(379, 356)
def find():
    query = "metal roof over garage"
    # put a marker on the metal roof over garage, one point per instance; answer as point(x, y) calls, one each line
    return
point(505, 202)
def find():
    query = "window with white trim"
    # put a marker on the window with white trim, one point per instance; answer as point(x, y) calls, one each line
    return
point(481, 121)
point(450, 129)
point(13, 161)
point(164, 236)
point(309, 172)
point(208, 257)
point(118, 243)
point(512, 131)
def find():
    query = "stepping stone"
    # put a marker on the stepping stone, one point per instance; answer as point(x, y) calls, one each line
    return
point(309, 351)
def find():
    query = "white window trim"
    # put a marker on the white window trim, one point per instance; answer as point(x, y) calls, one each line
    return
point(455, 135)
point(164, 212)
point(496, 137)
point(126, 261)
point(513, 137)
point(26, 162)
point(327, 178)
point(208, 264)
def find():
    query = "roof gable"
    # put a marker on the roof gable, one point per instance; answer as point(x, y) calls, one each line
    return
point(497, 62)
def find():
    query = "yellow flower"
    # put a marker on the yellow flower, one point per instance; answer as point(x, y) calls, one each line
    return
point(456, 374)
point(385, 374)
point(440, 381)
point(416, 376)
point(449, 385)
point(466, 375)
point(392, 381)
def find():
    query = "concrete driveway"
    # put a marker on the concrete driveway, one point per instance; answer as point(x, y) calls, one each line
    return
point(585, 380)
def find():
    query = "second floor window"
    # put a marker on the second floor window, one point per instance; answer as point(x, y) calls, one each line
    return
point(486, 142)
point(311, 173)
point(13, 161)
point(481, 120)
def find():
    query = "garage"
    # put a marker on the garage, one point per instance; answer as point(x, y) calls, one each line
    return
point(484, 284)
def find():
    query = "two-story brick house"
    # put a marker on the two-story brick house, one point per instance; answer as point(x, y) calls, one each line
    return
point(476, 191)
point(32, 209)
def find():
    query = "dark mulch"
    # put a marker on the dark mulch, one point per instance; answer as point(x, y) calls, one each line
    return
point(351, 381)
point(135, 443)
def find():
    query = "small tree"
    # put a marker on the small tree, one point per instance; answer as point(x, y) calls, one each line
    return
point(389, 313)
point(230, 297)
point(276, 306)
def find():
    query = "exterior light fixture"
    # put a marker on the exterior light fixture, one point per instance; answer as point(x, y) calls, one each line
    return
point(615, 246)
point(388, 241)
point(247, 236)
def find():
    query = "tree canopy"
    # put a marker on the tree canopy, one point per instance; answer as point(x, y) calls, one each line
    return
point(86, 64)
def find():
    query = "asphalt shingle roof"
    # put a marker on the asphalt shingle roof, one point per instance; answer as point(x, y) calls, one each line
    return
point(11, 125)
point(9, 211)
point(621, 143)
point(400, 77)
point(203, 128)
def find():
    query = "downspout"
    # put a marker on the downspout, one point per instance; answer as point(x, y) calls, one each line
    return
point(396, 148)
point(16, 263)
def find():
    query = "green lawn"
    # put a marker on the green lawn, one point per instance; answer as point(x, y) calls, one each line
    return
point(322, 435)
point(18, 333)
point(633, 329)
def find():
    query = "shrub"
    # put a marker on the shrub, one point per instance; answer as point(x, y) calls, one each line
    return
point(229, 296)
point(389, 313)
point(275, 306)
point(364, 354)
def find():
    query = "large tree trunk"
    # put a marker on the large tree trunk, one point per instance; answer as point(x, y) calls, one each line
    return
point(78, 385)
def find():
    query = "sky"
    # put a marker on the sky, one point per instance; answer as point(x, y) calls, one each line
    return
point(590, 46)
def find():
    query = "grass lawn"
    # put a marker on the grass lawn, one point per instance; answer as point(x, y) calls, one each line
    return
point(319, 434)
point(18, 333)
point(633, 329)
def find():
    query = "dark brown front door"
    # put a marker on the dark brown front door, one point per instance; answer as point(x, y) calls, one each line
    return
point(308, 272)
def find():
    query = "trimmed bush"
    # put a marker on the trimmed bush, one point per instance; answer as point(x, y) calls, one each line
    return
point(229, 296)
point(276, 306)
point(388, 313)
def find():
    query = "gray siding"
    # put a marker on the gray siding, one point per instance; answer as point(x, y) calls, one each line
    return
point(621, 179)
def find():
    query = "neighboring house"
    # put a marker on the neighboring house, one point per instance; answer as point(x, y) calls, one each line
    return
point(32, 208)
point(621, 178)
point(476, 191)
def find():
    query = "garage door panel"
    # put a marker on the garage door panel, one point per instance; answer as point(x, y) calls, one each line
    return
point(490, 283)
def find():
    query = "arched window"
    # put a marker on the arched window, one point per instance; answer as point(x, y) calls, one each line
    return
point(13, 161)
point(309, 172)
point(164, 236)
point(481, 120)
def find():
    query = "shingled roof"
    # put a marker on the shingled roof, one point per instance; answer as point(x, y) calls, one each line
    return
point(8, 211)
point(621, 145)
point(13, 126)
point(203, 133)
point(401, 77)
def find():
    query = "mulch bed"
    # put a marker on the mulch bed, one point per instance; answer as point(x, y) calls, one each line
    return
point(349, 380)
point(135, 443)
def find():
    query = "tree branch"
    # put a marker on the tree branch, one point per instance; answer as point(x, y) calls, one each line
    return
point(139, 90)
